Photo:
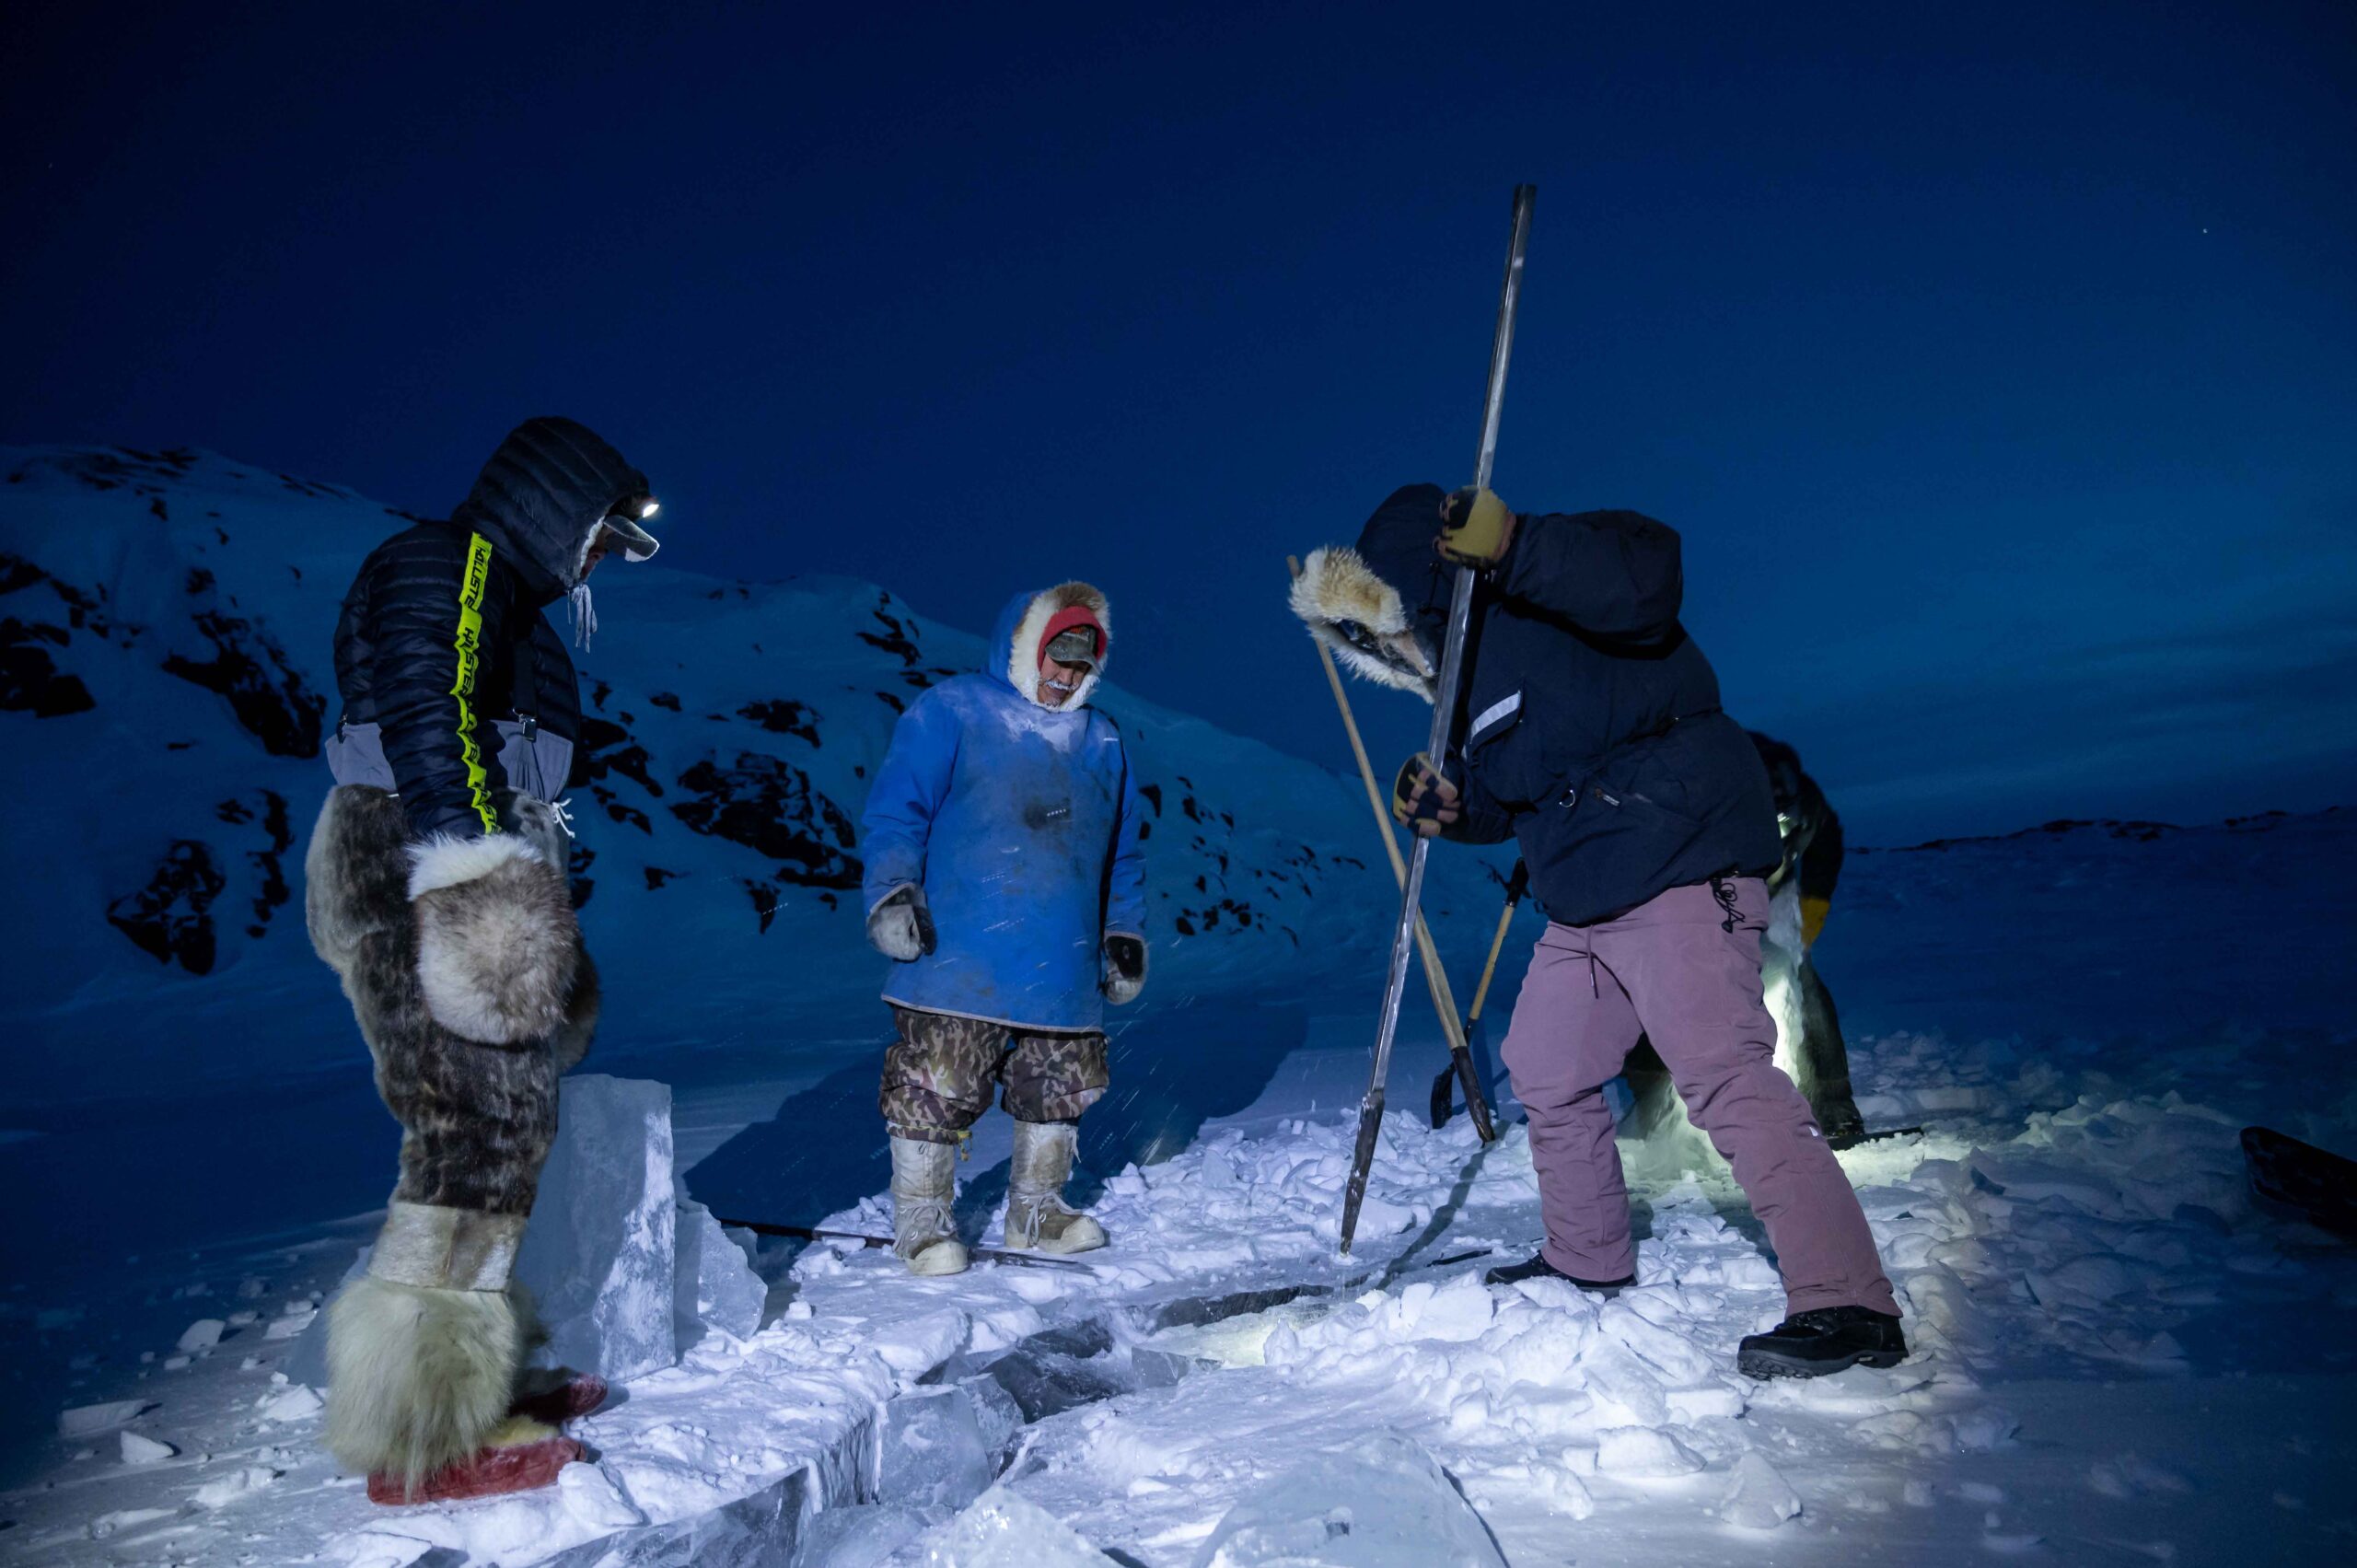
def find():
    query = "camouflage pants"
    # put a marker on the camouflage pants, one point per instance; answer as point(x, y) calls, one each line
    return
point(937, 1074)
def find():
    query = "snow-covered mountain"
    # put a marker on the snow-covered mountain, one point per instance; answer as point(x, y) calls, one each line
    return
point(165, 682)
point(2119, 1353)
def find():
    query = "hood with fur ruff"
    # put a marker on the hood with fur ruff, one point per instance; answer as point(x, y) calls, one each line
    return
point(1381, 606)
point(1014, 655)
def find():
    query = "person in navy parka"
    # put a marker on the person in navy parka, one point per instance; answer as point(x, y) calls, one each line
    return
point(1591, 734)
point(1004, 882)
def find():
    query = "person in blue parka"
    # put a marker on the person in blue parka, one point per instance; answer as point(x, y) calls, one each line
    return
point(1005, 883)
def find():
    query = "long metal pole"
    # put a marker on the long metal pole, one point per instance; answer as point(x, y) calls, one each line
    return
point(1452, 661)
point(1460, 1067)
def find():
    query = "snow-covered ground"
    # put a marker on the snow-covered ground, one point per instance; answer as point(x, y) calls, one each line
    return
point(2119, 1355)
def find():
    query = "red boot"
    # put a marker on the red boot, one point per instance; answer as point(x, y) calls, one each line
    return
point(580, 1393)
point(520, 1456)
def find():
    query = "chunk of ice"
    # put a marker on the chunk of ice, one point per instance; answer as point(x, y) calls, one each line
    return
point(1642, 1451)
point(599, 1252)
point(996, 1416)
point(932, 1449)
point(1380, 1502)
point(866, 1534)
point(237, 1484)
point(295, 1403)
point(1758, 1497)
point(203, 1334)
point(89, 1421)
point(1044, 1383)
point(712, 1285)
point(751, 1532)
point(287, 1326)
point(1003, 1529)
point(139, 1450)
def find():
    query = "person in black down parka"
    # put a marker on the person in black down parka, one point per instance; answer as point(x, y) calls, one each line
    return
point(435, 888)
point(1591, 733)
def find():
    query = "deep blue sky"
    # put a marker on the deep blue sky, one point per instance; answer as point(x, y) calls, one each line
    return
point(1999, 364)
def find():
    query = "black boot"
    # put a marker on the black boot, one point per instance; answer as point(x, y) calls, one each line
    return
point(1830, 1339)
point(1536, 1267)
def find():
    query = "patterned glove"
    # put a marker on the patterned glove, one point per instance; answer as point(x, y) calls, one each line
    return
point(1423, 799)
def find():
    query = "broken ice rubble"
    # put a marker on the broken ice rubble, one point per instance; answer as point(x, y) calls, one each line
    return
point(1005, 1530)
point(713, 1286)
point(1381, 1503)
point(1758, 1497)
point(932, 1449)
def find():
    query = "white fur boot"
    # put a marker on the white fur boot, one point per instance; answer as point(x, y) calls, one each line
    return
point(422, 1349)
point(1036, 1215)
point(924, 1185)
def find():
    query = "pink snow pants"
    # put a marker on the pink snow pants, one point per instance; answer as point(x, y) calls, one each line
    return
point(1670, 970)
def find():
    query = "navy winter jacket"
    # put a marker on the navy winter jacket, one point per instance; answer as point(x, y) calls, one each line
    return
point(1590, 729)
point(454, 683)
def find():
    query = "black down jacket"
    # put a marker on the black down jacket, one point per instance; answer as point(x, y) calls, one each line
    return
point(1590, 729)
point(442, 646)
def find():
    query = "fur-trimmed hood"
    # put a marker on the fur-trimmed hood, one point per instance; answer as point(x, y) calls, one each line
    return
point(1013, 647)
point(1382, 605)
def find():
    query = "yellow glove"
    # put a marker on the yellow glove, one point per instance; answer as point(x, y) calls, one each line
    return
point(1475, 528)
point(1813, 913)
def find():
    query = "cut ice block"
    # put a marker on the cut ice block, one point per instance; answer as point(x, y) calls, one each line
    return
point(600, 1253)
point(1381, 1503)
point(932, 1449)
point(1005, 1530)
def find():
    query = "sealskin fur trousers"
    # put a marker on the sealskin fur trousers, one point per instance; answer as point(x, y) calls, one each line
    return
point(424, 1351)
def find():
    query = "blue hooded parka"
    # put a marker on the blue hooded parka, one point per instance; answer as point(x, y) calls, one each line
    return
point(1020, 823)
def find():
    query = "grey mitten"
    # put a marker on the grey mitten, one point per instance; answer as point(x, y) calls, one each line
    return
point(900, 927)
point(1124, 968)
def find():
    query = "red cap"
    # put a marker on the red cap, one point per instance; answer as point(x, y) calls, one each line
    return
point(1065, 620)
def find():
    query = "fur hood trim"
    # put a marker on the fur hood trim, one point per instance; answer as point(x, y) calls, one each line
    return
point(445, 861)
point(1023, 648)
point(1337, 586)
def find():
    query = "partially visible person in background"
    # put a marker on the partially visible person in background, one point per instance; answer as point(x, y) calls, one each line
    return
point(435, 888)
point(1808, 1030)
point(1801, 894)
